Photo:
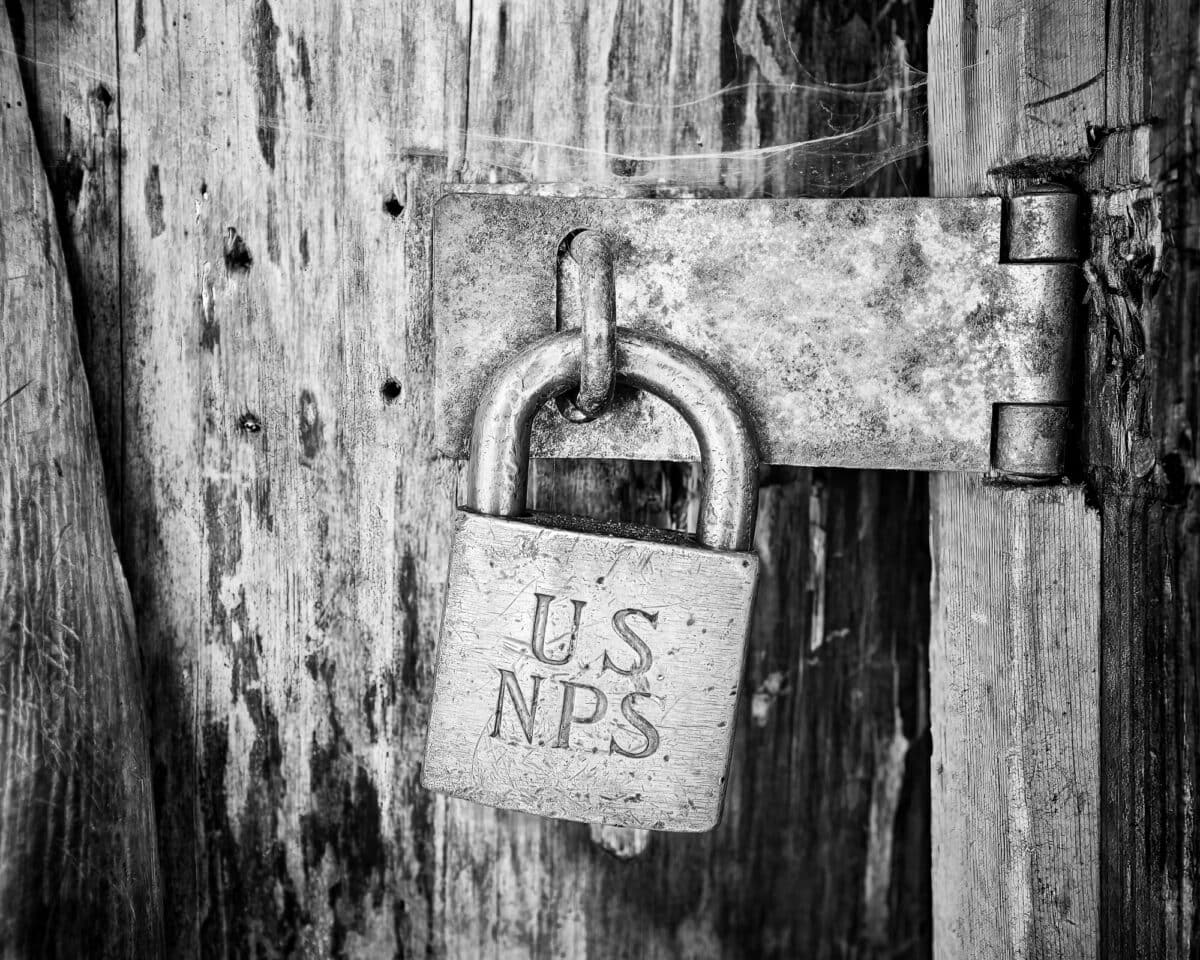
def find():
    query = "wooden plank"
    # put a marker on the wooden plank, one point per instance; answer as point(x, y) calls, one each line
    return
point(1143, 389)
point(1016, 750)
point(286, 522)
point(78, 864)
point(1015, 713)
point(1014, 88)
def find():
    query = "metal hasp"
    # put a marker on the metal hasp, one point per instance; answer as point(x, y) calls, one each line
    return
point(924, 334)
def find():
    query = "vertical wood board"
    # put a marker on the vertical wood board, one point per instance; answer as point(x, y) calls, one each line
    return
point(1014, 656)
point(78, 865)
point(1014, 662)
point(1143, 407)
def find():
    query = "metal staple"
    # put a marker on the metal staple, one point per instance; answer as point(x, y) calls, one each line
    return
point(598, 301)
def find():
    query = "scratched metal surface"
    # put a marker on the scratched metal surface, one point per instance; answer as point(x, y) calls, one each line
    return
point(863, 333)
point(701, 601)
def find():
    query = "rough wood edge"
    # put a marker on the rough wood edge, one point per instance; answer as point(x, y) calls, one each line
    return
point(79, 869)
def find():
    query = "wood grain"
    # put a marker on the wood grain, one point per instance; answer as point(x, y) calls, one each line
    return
point(286, 521)
point(78, 864)
point(1015, 652)
point(68, 59)
point(1014, 705)
point(1016, 88)
point(1143, 404)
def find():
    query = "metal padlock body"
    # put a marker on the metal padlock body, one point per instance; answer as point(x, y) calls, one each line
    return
point(590, 671)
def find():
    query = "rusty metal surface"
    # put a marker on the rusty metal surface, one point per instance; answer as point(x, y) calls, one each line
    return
point(498, 474)
point(863, 333)
point(610, 733)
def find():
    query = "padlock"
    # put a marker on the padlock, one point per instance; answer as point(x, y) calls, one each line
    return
point(587, 670)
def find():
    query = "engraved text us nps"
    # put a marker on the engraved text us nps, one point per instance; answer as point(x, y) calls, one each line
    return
point(581, 703)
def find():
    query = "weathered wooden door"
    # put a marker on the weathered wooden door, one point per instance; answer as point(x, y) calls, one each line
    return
point(244, 196)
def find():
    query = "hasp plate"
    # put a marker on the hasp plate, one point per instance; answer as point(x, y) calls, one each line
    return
point(859, 333)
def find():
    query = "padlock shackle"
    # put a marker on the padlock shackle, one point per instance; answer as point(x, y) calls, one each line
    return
point(498, 476)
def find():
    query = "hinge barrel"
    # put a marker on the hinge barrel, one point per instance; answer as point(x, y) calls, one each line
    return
point(1043, 230)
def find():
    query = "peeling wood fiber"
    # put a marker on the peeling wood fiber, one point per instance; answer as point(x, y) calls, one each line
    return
point(1143, 417)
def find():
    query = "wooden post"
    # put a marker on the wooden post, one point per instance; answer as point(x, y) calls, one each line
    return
point(1015, 648)
point(1142, 424)
point(78, 863)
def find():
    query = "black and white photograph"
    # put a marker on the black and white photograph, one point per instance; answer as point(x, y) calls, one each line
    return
point(600, 480)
